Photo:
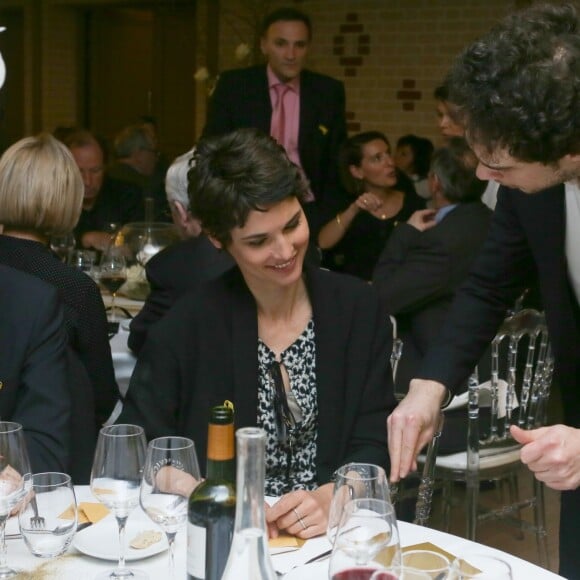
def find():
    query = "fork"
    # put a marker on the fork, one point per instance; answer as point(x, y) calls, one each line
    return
point(36, 521)
point(317, 558)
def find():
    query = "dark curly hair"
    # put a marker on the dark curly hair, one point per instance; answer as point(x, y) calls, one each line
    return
point(236, 173)
point(518, 87)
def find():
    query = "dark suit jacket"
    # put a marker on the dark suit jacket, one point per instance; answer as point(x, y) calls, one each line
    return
point(33, 371)
point(206, 351)
point(526, 237)
point(418, 273)
point(242, 99)
point(171, 273)
point(119, 202)
point(84, 317)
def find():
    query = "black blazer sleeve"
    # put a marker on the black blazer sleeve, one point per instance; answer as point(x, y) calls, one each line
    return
point(503, 269)
point(33, 366)
point(159, 301)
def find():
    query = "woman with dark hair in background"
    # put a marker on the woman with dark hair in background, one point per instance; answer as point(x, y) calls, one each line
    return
point(376, 198)
point(413, 157)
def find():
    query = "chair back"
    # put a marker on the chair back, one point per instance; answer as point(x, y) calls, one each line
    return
point(522, 340)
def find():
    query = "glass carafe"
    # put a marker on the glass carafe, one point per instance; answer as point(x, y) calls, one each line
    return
point(249, 557)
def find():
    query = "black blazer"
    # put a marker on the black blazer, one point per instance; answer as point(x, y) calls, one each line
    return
point(206, 351)
point(242, 99)
point(171, 273)
point(526, 237)
point(33, 370)
point(84, 316)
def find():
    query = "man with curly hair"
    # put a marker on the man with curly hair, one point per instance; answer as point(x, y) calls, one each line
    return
point(518, 93)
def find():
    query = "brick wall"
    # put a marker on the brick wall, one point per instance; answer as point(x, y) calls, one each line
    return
point(391, 54)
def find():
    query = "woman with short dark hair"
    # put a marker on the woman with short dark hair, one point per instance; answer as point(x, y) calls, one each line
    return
point(301, 352)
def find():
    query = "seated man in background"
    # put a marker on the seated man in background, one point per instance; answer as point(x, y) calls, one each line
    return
point(107, 203)
point(137, 155)
point(180, 267)
point(33, 368)
point(427, 258)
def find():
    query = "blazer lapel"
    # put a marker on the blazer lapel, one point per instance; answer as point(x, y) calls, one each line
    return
point(308, 114)
point(328, 367)
point(245, 355)
point(263, 104)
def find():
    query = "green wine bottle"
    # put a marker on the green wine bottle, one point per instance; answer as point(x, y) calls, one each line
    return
point(212, 504)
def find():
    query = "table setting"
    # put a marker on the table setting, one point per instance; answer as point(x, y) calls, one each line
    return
point(127, 517)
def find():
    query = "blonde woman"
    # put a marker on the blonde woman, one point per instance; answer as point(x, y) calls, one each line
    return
point(41, 193)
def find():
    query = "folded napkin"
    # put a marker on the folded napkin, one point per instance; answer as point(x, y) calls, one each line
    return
point(465, 566)
point(88, 512)
point(286, 541)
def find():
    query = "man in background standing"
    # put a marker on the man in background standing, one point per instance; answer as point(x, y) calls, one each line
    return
point(303, 110)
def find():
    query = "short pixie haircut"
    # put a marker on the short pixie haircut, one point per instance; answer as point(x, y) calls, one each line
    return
point(41, 188)
point(237, 173)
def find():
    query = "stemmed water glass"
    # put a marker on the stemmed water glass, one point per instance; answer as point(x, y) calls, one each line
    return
point(367, 539)
point(476, 565)
point(113, 273)
point(49, 521)
point(62, 245)
point(171, 471)
point(355, 481)
point(116, 480)
point(15, 481)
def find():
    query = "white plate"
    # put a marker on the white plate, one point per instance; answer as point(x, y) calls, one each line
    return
point(102, 540)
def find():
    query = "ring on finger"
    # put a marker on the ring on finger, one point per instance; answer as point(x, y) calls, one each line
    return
point(299, 519)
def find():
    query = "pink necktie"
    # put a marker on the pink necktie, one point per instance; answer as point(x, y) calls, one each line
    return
point(278, 124)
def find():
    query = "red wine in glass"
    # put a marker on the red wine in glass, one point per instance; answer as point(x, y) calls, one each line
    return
point(113, 282)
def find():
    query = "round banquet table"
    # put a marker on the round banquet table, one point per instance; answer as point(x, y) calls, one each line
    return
point(74, 565)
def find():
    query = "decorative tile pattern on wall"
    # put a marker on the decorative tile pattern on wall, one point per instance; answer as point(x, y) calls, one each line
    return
point(350, 45)
point(408, 94)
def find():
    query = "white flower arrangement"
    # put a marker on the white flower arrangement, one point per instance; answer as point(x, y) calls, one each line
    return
point(242, 51)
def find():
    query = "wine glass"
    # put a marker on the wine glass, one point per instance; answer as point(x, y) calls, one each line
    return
point(84, 260)
point(15, 481)
point(353, 481)
point(171, 472)
point(113, 273)
point(434, 564)
point(49, 521)
point(115, 482)
point(476, 565)
point(367, 540)
point(62, 245)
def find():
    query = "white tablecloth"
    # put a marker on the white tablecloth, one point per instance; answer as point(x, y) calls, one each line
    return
point(123, 359)
point(75, 565)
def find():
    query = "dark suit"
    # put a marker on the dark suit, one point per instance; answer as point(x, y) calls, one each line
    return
point(33, 369)
point(118, 203)
point(206, 351)
point(417, 276)
point(242, 99)
point(171, 273)
point(526, 236)
point(418, 273)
